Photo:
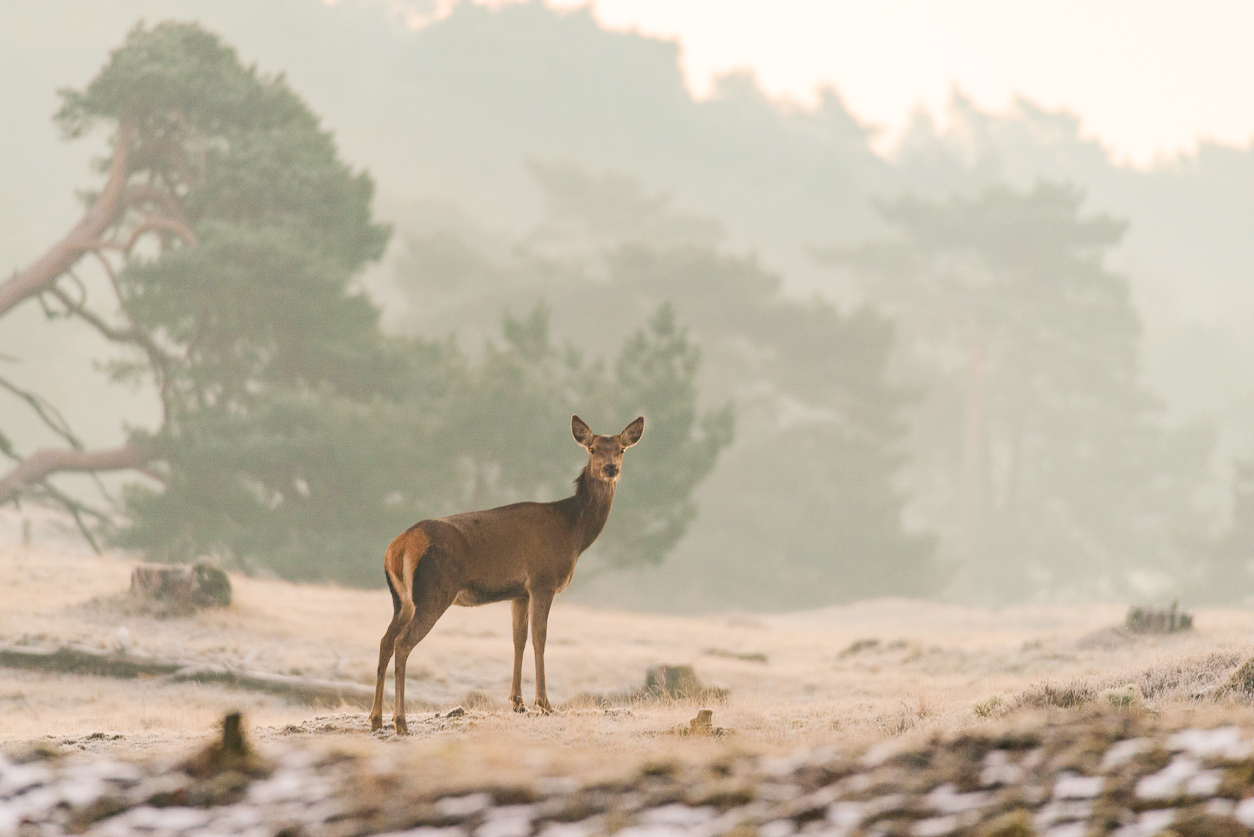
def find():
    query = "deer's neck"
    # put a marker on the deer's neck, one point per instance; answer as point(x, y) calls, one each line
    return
point(589, 508)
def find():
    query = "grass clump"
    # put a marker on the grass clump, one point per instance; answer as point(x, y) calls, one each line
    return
point(1065, 696)
point(993, 707)
point(1127, 696)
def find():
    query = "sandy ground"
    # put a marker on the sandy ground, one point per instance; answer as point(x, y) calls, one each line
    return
point(795, 679)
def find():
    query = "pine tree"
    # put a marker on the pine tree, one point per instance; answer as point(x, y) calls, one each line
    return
point(656, 376)
point(805, 509)
point(1036, 439)
point(294, 435)
point(1225, 573)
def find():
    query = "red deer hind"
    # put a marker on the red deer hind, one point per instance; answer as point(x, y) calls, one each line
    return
point(525, 552)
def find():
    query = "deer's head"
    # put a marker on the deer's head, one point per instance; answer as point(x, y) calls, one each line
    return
point(605, 453)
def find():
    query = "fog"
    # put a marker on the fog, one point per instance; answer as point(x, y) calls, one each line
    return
point(990, 364)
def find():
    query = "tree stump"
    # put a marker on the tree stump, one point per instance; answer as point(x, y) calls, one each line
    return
point(672, 681)
point(679, 682)
point(1148, 620)
point(192, 587)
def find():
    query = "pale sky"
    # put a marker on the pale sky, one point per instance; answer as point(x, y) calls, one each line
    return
point(1148, 78)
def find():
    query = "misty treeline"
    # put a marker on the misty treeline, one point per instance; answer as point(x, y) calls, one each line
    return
point(970, 420)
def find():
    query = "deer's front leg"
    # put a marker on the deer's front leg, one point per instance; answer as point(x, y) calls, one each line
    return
point(520, 643)
point(540, 604)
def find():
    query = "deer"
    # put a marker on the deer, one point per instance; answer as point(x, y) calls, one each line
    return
point(524, 553)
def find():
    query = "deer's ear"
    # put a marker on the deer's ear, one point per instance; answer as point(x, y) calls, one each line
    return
point(632, 433)
point(581, 431)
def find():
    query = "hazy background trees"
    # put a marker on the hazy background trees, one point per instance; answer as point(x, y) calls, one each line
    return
point(809, 490)
point(992, 388)
point(1037, 437)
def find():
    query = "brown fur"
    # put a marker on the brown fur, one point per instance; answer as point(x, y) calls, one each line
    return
point(524, 552)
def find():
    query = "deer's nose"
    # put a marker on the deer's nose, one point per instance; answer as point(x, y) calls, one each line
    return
point(611, 470)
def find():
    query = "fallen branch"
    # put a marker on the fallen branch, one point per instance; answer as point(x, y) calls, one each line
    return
point(304, 689)
point(77, 659)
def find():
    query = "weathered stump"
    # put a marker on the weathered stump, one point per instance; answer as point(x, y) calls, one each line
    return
point(192, 587)
point(672, 681)
point(679, 682)
point(1148, 620)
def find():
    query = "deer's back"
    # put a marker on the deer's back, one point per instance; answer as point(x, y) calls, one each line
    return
point(496, 552)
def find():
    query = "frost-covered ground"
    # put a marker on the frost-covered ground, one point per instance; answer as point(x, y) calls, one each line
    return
point(1077, 773)
point(1010, 718)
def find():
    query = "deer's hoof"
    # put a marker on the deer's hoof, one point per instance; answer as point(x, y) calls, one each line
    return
point(544, 708)
point(376, 723)
point(519, 706)
point(402, 726)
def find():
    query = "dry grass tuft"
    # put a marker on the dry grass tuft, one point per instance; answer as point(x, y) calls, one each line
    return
point(1064, 696)
point(1242, 680)
point(1180, 679)
point(993, 707)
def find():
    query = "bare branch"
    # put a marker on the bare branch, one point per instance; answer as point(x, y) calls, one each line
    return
point(41, 464)
point(104, 492)
point(134, 335)
point(144, 194)
point(77, 309)
point(47, 413)
point(102, 214)
point(78, 283)
point(49, 312)
point(155, 223)
point(76, 509)
point(113, 277)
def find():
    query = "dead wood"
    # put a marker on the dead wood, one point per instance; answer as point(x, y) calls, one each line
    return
point(303, 689)
point(702, 725)
point(233, 754)
point(76, 659)
point(189, 587)
point(1149, 620)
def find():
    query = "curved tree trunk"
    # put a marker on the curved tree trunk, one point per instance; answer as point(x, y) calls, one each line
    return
point(84, 237)
point(41, 277)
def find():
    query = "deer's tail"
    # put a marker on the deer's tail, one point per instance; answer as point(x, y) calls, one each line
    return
point(399, 565)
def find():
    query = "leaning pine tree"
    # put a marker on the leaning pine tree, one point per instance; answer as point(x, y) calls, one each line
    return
point(224, 242)
point(229, 232)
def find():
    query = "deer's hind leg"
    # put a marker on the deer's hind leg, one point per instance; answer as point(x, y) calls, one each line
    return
point(387, 646)
point(429, 605)
point(400, 563)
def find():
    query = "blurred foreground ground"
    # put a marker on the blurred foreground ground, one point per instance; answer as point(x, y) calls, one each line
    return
point(926, 702)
